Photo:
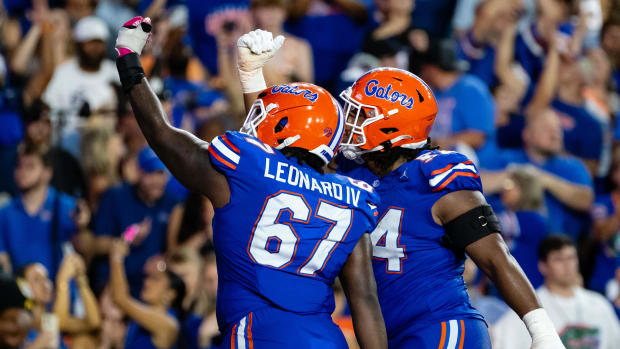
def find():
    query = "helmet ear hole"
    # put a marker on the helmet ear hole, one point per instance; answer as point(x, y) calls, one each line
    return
point(388, 130)
point(281, 124)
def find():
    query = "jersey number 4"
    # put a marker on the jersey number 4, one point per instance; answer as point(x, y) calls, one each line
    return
point(268, 228)
point(385, 240)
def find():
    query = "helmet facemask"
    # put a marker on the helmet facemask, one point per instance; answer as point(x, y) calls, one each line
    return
point(256, 115)
point(357, 116)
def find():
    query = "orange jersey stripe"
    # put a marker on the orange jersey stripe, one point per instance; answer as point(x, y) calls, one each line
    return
point(232, 337)
point(220, 159)
point(454, 175)
point(443, 335)
point(231, 145)
point(250, 342)
point(462, 335)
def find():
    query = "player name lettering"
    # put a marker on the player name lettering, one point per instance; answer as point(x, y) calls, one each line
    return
point(287, 173)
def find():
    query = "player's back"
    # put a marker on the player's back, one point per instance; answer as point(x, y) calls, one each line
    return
point(286, 232)
point(419, 281)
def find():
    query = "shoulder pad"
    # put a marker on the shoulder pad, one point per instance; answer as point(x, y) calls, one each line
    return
point(449, 170)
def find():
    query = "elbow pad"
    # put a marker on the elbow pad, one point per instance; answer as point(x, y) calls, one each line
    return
point(129, 70)
point(470, 227)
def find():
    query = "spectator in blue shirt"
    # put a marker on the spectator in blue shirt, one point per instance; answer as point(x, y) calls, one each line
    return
point(606, 230)
point(466, 110)
point(35, 224)
point(567, 183)
point(532, 42)
point(477, 45)
point(583, 133)
point(146, 204)
point(523, 225)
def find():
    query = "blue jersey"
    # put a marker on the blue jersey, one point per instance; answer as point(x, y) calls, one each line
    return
point(419, 281)
point(286, 231)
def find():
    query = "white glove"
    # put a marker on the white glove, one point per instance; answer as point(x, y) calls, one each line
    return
point(254, 50)
point(542, 331)
point(133, 36)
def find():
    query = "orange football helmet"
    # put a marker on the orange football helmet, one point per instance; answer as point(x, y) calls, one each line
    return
point(298, 115)
point(387, 107)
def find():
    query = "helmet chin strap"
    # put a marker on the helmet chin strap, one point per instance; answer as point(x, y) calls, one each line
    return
point(288, 142)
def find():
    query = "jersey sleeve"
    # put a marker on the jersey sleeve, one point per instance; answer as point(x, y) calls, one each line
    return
point(449, 171)
point(369, 209)
point(225, 153)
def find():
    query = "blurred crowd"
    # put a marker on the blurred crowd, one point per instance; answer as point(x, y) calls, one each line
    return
point(528, 89)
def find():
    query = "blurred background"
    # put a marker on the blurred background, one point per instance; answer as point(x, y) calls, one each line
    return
point(528, 89)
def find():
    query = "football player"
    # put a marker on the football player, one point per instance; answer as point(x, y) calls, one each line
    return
point(432, 214)
point(283, 229)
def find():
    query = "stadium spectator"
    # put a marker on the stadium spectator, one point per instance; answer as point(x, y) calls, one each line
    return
point(606, 231)
point(466, 110)
point(188, 264)
point(101, 150)
point(523, 225)
point(82, 85)
point(155, 319)
point(581, 317)
point(190, 223)
point(41, 50)
point(67, 174)
point(598, 101)
point(113, 327)
point(45, 332)
point(567, 183)
point(552, 19)
point(513, 84)
point(35, 224)
point(583, 134)
point(396, 36)
point(77, 324)
point(334, 29)
point(208, 329)
point(146, 204)
point(294, 61)
point(477, 44)
point(15, 317)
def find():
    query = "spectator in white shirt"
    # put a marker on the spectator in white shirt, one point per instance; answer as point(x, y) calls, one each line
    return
point(583, 318)
point(82, 86)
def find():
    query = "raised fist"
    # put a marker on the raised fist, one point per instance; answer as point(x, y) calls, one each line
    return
point(256, 48)
point(133, 36)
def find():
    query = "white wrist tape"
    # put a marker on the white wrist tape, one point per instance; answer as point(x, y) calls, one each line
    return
point(541, 329)
point(252, 81)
